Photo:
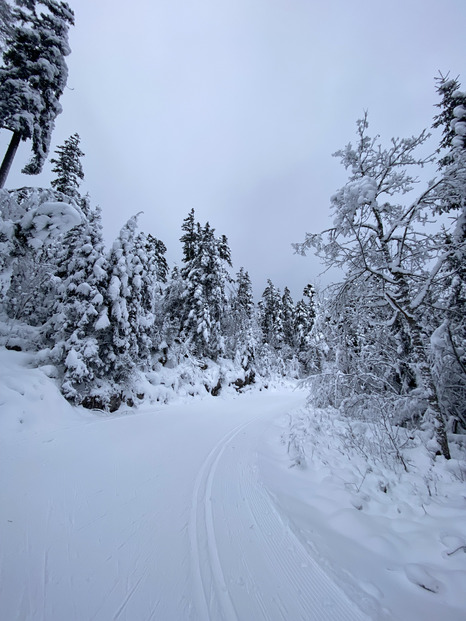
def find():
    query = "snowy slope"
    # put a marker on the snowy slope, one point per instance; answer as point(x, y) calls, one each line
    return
point(394, 539)
point(187, 511)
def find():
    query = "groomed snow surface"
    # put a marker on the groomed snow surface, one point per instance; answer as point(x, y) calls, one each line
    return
point(212, 509)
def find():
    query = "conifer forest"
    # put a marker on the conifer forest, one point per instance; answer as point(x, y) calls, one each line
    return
point(377, 357)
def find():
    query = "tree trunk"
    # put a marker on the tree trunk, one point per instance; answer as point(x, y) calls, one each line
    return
point(421, 360)
point(9, 157)
point(429, 386)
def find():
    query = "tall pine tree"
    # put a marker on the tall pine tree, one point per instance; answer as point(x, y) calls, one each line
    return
point(68, 167)
point(33, 77)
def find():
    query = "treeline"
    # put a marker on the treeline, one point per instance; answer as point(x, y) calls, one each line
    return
point(101, 317)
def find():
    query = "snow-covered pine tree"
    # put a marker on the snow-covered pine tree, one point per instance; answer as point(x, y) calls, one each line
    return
point(80, 318)
point(172, 308)
point(309, 292)
point(6, 19)
point(448, 342)
point(242, 326)
point(288, 318)
point(68, 167)
point(301, 323)
point(271, 316)
point(204, 296)
point(190, 238)
point(149, 271)
point(156, 250)
point(452, 118)
point(123, 295)
point(32, 225)
point(33, 77)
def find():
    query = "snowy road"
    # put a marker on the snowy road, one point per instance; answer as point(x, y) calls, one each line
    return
point(159, 515)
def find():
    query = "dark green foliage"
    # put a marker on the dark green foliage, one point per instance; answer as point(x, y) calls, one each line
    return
point(68, 167)
point(452, 111)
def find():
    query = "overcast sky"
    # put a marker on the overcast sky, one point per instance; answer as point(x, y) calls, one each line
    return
point(234, 107)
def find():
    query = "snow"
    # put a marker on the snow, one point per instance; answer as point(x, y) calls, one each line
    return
point(194, 511)
point(394, 539)
point(460, 128)
point(50, 219)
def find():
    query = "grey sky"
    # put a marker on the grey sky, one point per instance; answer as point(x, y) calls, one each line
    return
point(234, 107)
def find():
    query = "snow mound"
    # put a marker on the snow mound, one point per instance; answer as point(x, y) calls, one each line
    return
point(394, 537)
point(30, 400)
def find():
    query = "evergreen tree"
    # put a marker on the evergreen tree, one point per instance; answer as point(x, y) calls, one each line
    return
point(288, 318)
point(271, 316)
point(204, 297)
point(242, 325)
point(448, 343)
point(452, 117)
point(33, 77)
point(80, 317)
point(156, 250)
point(172, 309)
point(301, 326)
point(190, 238)
point(35, 222)
point(68, 167)
point(310, 293)
point(6, 19)
point(149, 268)
point(123, 296)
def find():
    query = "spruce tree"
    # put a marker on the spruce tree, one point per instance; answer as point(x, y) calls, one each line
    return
point(33, 77)
point(205, 277)
point(449, 354)
point(80, 318)
point(271, 316)
point(288, 318)
point(243, 331)
point(123, 298)
point(68, 167)
point(6, 19)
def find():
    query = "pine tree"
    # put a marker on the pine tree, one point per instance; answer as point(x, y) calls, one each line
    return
point(33, 77)
point(288, 318)
point(68, 167)
point(301, 326)
point(149, 268)
point(271, 316)
point(190, 238)
point(6, 19)
point(452, 117)
point(242, 330)
point(172, 307)
point(80, 317)
point(448, 343)
point(35, 223)
point(310, 293)
point(123, 295)
point(204, 297)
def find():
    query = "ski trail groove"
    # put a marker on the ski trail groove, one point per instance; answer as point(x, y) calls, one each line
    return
point(210, 586)
point(271, 576)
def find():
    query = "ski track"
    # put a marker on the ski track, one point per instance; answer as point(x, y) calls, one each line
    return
point(138, 518)
point(271, 576)
point(212, 591)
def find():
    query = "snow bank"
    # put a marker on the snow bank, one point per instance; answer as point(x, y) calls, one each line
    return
point(395, 538)
point(30, 401)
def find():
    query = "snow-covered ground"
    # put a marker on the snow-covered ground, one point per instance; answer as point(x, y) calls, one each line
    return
point(191, 511)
